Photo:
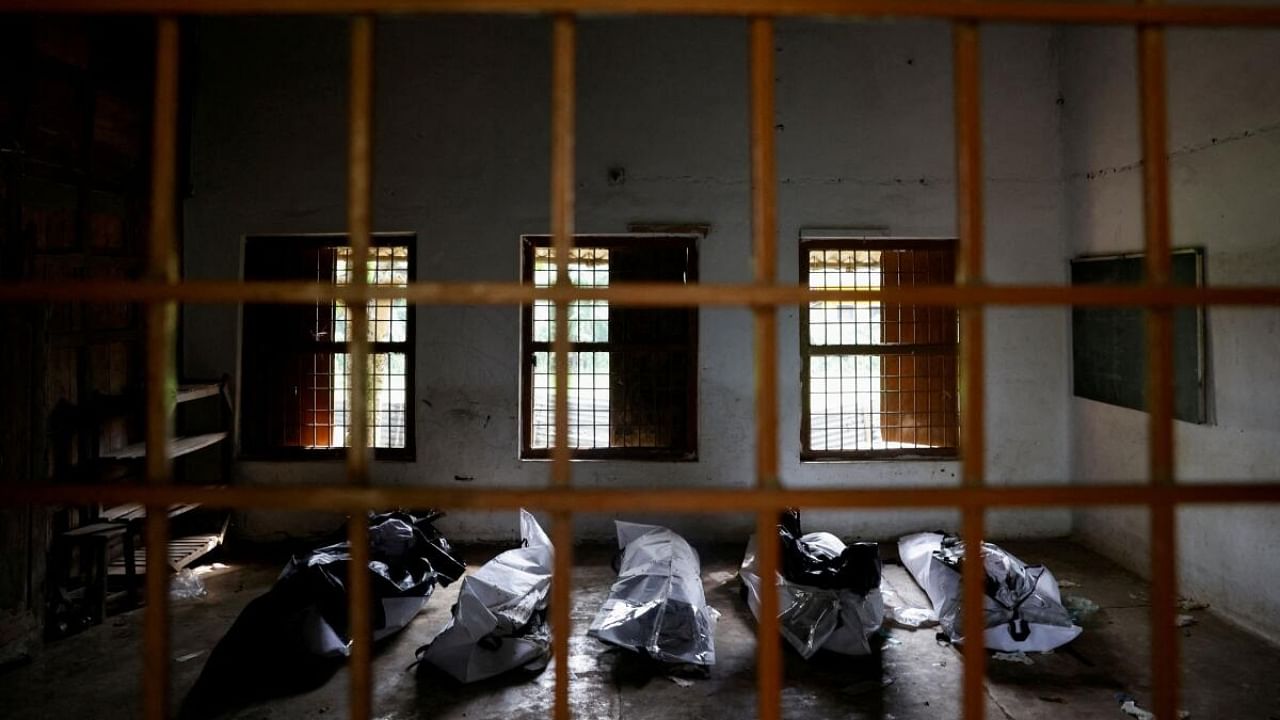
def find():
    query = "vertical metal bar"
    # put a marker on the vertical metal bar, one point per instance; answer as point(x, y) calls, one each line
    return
point(563, 49)
point(968, 99)
point(1160, 388)
point(764, 226)
point(764, 241)
point(561, 599)
point(563, 56)
point(359, 223)
point(162, 266)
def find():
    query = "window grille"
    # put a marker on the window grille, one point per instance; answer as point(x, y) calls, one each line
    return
point(161, 290)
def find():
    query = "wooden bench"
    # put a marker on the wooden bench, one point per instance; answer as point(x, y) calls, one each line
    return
point(92, 544)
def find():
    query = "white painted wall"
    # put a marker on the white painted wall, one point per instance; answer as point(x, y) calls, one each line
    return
point(864, 138)
point(1224, 121)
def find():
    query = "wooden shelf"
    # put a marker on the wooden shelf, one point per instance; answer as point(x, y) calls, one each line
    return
point(182, 552)
point(106, 529)
point(197, 391)
point(136, 511)
point(178, 447)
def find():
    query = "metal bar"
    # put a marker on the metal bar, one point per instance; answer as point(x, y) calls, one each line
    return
point(886, 349)
point(359, 227)
point(1160, 386)
point(977, 10)
point(768, 632)
point(969, 179)
point(561, 607)
point(162, 266)
point(1164, 594)
point(699, 500)
point(359, 609)
point(564, 48)
point(563, 91)
point(1158, 260)
point(972, 620)
point(359, 224)
point(764, 231)
point(633, 294)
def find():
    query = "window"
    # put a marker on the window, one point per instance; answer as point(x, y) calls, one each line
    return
point(878, 379)
point(296, 378)
point(632, 371)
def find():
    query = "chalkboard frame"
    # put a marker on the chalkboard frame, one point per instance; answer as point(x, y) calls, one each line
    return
point(1108, 344)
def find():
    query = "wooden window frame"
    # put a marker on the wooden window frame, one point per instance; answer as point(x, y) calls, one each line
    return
point(688, 453)
point(408, 453)
point(808, 351)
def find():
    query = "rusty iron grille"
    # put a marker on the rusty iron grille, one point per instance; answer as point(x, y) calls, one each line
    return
point(161, 290)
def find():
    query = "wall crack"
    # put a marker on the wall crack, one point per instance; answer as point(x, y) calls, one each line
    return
point(1181, 152)
point(1003, 710)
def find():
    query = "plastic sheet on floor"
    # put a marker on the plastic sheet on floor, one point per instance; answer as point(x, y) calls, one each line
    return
point(903, 614)
point(1022, 606)
point(500, 620)
point(657, 606)
point(828, 592)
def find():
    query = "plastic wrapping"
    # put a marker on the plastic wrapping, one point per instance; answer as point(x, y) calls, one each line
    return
point(500, 620)
point(293, 637)
point(407, 558)
point(186, 585)
point(828, 592)
point(1022, 605)
point(903, 614)
point(657, 606)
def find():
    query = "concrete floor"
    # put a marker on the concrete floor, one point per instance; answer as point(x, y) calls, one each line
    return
point(1227, 672)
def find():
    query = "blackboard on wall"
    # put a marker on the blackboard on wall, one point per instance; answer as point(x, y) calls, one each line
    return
point(1109, 343)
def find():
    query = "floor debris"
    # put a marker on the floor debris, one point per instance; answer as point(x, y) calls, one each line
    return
point(721, 577)
point(1080, 607)
point(1016, 657)
point(682, 682)
point(1130, 708)
point(1068, 584)
point(866, 686)
point(1185, 621)
point(1187, 605)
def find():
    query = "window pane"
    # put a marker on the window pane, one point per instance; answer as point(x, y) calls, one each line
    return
point(389, 266)
point(588, 391)
point(844, 323)
point(588, 319)
point(844, 402)
point(329, 425)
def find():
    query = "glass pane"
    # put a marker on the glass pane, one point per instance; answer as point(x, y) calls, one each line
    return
point(588, 319)
point(588, 392)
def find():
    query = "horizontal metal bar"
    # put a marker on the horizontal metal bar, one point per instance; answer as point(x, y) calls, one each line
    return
point(884, 349)
point(994, 11)
point(742, 499)
point(630, 294)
